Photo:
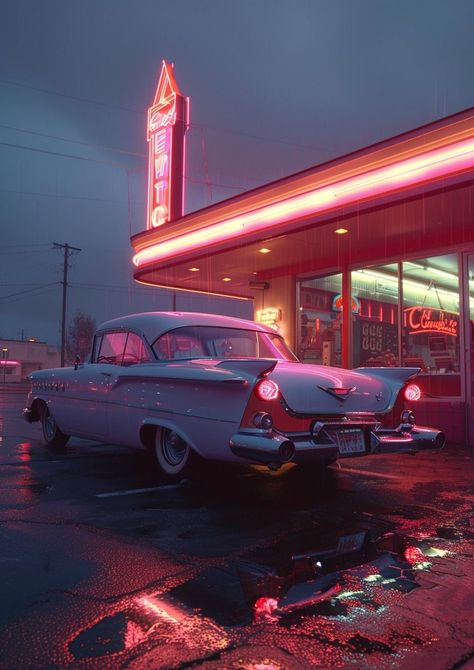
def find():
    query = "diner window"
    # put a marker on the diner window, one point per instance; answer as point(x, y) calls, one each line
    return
point(430, 333)
point(320, 320)
point(375, 316)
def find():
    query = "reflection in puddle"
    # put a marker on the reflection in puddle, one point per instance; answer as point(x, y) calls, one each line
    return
point(146, 616)
point(355, 575)
point(276, 585)
point(110, 635)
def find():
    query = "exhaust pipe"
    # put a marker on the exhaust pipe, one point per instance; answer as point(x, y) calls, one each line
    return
point(426, 438)
point(264, 448)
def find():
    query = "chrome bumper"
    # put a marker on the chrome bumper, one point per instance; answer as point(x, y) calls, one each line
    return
point(274, 449)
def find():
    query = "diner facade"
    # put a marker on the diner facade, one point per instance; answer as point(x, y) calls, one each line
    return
point(367, 260)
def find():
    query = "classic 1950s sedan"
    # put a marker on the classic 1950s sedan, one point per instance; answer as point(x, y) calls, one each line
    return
point(188, 385)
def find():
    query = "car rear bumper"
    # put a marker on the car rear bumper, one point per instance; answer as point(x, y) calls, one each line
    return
point(272, 448)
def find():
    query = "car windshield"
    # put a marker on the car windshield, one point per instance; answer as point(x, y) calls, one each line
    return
point(217, 342)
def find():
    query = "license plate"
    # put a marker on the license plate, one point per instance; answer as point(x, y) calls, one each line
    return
point(350, 441)
point(349, 543)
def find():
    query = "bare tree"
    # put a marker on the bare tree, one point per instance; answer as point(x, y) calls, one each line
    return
point(79, 340)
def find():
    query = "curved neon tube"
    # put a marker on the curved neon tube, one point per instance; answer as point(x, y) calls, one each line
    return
point(409, 172)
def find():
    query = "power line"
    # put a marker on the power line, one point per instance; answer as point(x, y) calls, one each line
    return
point(63, 155)
point(260, 138)
point(36, 288)
point(66, 197)
point(80, 142)
point(142, 113)
point(116, 287)
point(90, 101)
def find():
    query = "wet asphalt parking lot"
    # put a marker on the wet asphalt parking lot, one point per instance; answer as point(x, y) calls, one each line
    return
point(105, 565)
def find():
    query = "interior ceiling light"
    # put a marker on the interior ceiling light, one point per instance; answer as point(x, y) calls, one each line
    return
point(194, 269)
point(264, 250)
point(341, 231)
point(380, 181)
point(364, 274)
point(226, 278)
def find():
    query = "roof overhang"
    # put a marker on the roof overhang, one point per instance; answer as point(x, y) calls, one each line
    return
point(440, 155)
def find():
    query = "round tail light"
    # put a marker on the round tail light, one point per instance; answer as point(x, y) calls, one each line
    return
point(412, 392)
point(267, 389)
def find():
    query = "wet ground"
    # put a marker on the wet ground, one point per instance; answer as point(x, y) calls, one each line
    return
point(104, 565)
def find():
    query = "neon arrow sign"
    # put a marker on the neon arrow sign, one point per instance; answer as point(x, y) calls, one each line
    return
point(167, 124)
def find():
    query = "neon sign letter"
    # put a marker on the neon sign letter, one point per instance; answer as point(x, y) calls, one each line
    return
point(167, 123)
point(427, 320)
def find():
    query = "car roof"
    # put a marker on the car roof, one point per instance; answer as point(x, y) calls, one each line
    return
point(154, 324)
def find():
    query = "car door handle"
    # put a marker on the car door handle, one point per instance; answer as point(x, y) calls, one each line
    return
point(106, 374)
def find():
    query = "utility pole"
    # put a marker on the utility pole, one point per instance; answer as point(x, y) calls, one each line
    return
point(67, 249)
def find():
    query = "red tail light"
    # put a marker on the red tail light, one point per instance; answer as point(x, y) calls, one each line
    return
point(412, 392)
point(266, 389)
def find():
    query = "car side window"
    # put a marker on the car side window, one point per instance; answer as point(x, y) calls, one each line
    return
point(135, 350)
point(112, 348)
point(178, 344)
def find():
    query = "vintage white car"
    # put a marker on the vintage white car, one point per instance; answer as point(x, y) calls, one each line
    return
point(188, 385)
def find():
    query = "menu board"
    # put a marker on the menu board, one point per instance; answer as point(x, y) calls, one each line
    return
point(375, 343)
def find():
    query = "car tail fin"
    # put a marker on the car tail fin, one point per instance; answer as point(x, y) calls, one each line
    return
point(255, 366)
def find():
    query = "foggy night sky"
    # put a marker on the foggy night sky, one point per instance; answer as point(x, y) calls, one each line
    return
point(275, 87)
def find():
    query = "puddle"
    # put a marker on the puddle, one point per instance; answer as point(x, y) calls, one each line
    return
point(167, 621)
point(110, 635)
point(277, 584)
point(297, 579)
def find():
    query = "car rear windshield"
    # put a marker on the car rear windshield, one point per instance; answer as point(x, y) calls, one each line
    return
point(216, 342)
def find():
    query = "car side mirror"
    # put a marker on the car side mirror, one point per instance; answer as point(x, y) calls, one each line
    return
point(77, 360)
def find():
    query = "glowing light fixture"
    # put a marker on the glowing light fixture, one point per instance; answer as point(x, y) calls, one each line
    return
point(412, 392)
point(264, 250)
point(341, 231)
point(226, 278)
point(405, 173)
point(194, 269)
point(267, 389)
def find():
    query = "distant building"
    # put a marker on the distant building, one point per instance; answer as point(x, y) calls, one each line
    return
point(18, 358)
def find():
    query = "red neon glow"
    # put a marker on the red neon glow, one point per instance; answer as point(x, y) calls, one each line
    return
point(412, 392)
point(408, 172)
point(426, 320)
point(267, 389)
point(164, 122)
point(414, 555)
point(264, 608)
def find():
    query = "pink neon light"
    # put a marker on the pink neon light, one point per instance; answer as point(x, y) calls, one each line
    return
point(10, 363)
point(162, 118)
point(409, 172)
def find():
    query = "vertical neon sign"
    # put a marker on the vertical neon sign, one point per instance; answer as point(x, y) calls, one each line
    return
point(167, 124)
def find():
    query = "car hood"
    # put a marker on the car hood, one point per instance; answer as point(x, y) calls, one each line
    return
point(307, 389)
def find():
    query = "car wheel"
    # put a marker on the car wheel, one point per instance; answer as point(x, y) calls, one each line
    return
point(172, 453)
point(52, 435)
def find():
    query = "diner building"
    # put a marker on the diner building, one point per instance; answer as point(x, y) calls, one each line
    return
point(366, 260)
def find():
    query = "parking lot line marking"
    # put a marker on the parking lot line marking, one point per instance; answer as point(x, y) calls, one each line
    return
point(367, 473)
point(131, 492)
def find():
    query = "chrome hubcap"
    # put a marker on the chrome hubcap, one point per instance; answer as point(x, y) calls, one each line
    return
point(174, 448)
point(50, 427)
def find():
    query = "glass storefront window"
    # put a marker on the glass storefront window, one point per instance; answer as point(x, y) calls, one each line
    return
point(375, 316)
point(426, 323)
point(431, 322)
point(320, 320)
